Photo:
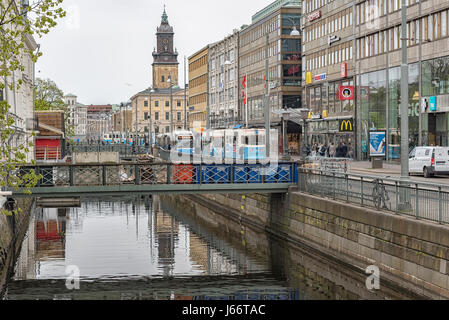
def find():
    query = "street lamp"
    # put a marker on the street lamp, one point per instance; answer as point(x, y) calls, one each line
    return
point(285, 118)
point(151, 122)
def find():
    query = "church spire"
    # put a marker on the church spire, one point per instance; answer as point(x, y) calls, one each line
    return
point(164, 16)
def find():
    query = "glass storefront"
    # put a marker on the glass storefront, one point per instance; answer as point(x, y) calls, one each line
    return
point(372, 97)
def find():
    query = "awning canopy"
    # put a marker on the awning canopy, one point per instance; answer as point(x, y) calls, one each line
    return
point(238, 126)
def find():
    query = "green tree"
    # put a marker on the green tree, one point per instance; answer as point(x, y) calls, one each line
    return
point(20, 21)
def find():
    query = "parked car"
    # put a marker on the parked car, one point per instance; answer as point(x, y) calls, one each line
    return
point(429, 161)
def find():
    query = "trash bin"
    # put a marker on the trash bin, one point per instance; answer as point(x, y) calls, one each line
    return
point(377, 163)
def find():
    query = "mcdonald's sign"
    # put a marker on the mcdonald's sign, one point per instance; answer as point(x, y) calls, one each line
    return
point(347, 125)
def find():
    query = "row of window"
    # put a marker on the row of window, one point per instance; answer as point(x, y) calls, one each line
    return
point(201, 80)
point(328, 57)
point(334, 23)
point(200, 98)
point(198, 63)
point(260, 31)
point(371, 9)
point(230, 76)
point(220, 61)
point(156, 103)
point(428, 28)
point(259, 54)
point(223, 96)
point(167, 116)
point(312, 5)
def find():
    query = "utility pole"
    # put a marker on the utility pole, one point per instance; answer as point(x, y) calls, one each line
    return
point(267, 103)
point(185, 94)
point(405, 204)
point(136, 137)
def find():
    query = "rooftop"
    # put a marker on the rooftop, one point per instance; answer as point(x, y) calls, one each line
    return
point(273, 7)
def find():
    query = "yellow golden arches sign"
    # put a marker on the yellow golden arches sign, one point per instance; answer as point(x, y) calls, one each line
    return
point(346, 125)
point(324, 114)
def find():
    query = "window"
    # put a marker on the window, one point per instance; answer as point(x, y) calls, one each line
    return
point(145, 103)
point(162, 79)
point(167, 103)
point(178, 116)
point(156, 116)
point(156, 103)
point(146, 116)
point(178, 103)
point(167, 129)
point(167, 116)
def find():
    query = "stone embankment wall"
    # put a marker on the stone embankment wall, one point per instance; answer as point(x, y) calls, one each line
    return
point(412, 255)
point(12, 232)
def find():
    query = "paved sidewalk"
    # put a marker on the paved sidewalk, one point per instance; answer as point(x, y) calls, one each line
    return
point(366, 167)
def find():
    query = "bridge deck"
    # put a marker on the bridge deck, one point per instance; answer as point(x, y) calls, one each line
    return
point(60, 180)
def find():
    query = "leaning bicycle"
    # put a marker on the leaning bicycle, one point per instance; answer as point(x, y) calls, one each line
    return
point(380, 195)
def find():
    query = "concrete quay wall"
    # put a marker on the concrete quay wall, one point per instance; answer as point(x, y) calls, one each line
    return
point(412, 255)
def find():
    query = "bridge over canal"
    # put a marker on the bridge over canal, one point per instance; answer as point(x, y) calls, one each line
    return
point(62, 180)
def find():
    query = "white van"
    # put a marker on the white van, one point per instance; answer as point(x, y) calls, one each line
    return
point(429, 161)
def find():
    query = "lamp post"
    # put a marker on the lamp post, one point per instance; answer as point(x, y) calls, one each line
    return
point(405, 204)
point(171, 104)
point(150, 128)
point(285, 118)
point(136, 137)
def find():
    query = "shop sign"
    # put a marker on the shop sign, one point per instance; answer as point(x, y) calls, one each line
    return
point(333, 39)
point(346, 93)
point(315, 15)
point(308, 78)
point(344, 70)
point(433, 103)
point(377, 143)
point(346, 125)
point(320, 77)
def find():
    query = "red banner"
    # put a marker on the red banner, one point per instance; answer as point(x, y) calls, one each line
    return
point(244, 82)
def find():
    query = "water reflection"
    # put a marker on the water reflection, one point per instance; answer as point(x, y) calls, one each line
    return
point(141, 248)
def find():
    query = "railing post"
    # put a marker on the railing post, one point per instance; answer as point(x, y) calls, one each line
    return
point(417, 201)
point(334, 185)
point(347, 187)
point(397, 195)
point(361, 189)
point(200, 177)
point(71, 168)
point(137, 173)
point(104, 175)
point(440, 206)
point(38, 170)
point(169, 167)
point(231, 173)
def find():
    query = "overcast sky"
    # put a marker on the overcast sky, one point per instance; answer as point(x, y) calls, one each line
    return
point(101, 51)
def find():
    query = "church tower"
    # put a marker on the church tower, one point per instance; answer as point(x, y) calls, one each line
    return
point(165, 57)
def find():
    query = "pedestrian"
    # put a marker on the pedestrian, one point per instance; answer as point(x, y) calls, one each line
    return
point(350, 151)
point(323, 150)
point(338, 151)
point(332, 150)
point(344, 150)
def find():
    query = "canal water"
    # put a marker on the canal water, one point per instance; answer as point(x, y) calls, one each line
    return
point(138, 248)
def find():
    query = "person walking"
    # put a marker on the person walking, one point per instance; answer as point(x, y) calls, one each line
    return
point(332, 150)
point(344, 150)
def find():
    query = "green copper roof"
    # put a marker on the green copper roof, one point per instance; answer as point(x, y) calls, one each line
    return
point(164, 17)
point(273, 7)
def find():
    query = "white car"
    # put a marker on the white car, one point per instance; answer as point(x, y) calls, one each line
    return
point(429, 161)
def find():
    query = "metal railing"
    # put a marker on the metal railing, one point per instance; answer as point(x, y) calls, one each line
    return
point(123, 150)
point(421, 200)
point(72, 175)
point(47, 153)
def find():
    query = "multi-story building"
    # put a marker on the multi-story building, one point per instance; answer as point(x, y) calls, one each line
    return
point(98, 121)
point(284, 74)
point(328, 40)
point(164, 104)
point(369, 54)
point(77, 117)
point(223, 82)
point(121, 120)
point(21, 101)
point(198, 88)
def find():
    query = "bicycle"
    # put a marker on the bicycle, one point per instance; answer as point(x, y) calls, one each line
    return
point(380, 195)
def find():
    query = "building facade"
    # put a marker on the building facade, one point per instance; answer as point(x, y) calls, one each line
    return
point(223, 82)
point(98, 122)
point(328, 65)
point(77, 117)
point(198, 88)
point(374, 68)
point(284, 54)
point(21, 101)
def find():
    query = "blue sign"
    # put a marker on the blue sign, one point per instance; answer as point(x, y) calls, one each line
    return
point(377, 143)
point(433, 103)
